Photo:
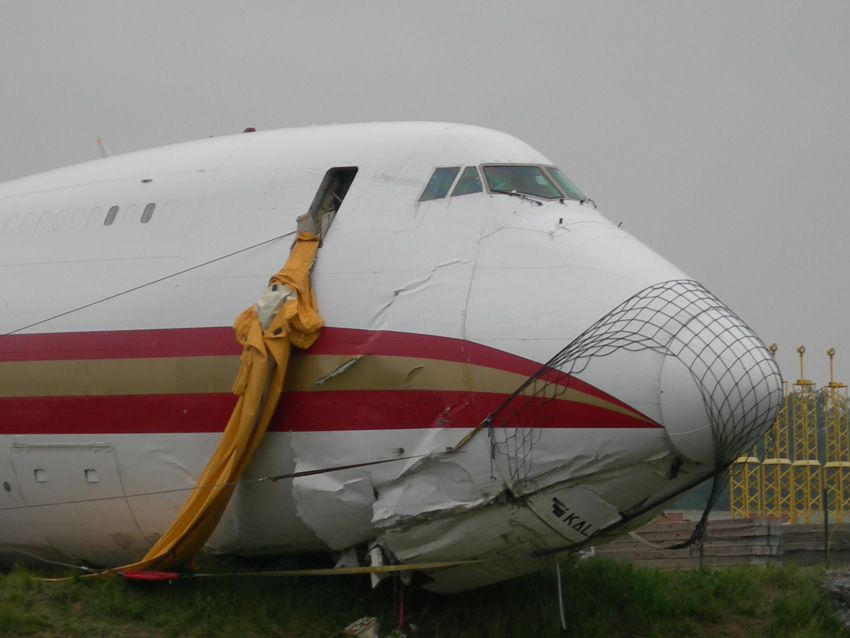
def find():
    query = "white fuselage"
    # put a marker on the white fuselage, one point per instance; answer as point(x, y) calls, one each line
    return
point(117, 356)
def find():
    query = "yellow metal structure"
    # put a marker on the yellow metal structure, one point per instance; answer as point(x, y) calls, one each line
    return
point(806, 467)
point(745, 493)
point(837, 437)
point(797, 471)
point(776, 467)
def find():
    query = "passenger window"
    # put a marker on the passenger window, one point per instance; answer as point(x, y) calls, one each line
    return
point(441, 182)
point(148, 213)
point(469, 182)
point(110, 216)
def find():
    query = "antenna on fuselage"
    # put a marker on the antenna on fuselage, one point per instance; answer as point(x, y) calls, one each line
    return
point(104, 152)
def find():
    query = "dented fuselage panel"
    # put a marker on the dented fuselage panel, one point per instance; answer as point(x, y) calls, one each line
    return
point(504, 375)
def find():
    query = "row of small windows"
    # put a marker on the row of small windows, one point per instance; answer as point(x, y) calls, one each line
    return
point(112, 213)
point(546, 182)
point(84, 217)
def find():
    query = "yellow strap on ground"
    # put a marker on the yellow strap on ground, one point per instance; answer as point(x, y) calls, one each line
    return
point(259, 384)
point(343, 571)
point(331, 571)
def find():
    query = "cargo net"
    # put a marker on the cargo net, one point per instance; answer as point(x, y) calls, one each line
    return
point(738, 379)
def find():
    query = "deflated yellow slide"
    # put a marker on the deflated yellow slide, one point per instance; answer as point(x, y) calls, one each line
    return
point(287, 316)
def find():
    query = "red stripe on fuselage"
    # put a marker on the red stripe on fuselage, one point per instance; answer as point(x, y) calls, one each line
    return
point(119, 344)
point(198, 342)
point(297, 412)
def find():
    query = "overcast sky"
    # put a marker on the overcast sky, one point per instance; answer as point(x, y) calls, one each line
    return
point(717, 132)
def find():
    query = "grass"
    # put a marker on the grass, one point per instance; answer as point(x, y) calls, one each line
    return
point(603, 598)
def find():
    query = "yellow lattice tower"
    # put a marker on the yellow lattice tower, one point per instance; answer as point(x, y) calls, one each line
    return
point(745, 486)
point(837, 437)
point(776, 468)
point(805, 467)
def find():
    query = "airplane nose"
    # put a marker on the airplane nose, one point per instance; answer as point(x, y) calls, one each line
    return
point(717, 388)
point(720, 388)
point(671, 354)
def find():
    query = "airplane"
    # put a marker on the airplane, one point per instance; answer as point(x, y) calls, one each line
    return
point(504, 376)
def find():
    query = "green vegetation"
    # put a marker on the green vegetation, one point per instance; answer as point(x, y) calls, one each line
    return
point(602, 598)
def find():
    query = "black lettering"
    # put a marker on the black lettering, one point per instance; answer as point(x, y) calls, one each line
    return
point(558, 508)
point(567, 516)
point(569, 519)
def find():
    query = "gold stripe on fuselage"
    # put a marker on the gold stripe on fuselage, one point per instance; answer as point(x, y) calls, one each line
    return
point(308, 373)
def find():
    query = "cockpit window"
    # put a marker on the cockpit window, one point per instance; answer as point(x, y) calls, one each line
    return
point(469, 182)
point(440, 183)
point(566, 185)
point(546, 182)
point(521, 179)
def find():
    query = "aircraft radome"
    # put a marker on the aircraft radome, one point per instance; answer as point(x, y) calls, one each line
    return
point(515, 376)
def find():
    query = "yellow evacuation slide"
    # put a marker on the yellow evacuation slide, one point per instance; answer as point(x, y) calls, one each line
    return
point(285, 316)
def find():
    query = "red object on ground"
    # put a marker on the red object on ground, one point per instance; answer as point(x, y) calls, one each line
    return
point(151, 575)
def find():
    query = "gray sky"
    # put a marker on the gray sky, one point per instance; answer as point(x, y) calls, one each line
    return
point(717, 132)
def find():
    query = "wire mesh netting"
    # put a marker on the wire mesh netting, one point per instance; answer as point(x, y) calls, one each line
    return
point(735, 374)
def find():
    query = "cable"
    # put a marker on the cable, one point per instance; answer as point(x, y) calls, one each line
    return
point(88, 570)
point(273, 479)
point(150, 283)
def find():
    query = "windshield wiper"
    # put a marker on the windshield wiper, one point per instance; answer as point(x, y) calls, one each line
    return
point(520, 195)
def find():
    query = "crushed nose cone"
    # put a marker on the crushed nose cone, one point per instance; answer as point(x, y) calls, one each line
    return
point(720, 387)
point(684, 414)
point(676, 353)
